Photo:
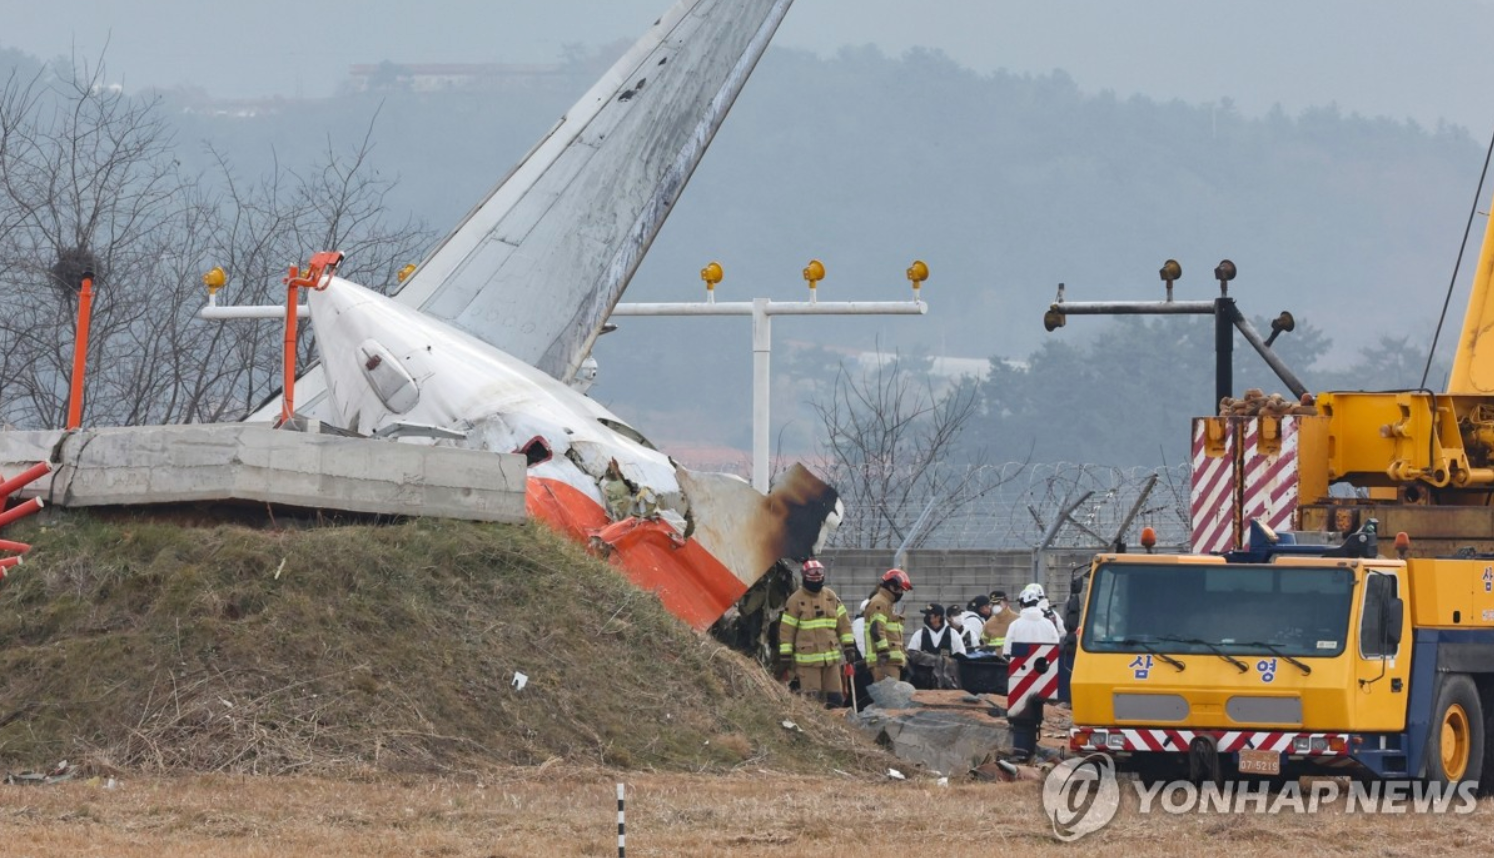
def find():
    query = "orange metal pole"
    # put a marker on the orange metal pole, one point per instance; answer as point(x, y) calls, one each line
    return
point(30, 475)
point(319, 272)
point(17, 547)
point(25, 509)
point(288, 392)
point(80, 354)
point(7, 563)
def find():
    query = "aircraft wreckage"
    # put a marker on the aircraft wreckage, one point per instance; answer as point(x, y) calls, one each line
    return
point(478, 347)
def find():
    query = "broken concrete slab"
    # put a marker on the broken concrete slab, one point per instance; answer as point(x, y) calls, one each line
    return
point(942, 741)
point(891, 694)
point(127, 466)
point(945, 732)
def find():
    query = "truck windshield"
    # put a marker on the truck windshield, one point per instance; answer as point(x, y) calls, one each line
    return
point(1236, 608)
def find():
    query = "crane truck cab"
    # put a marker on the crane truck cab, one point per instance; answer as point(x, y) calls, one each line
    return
point(1282, 659)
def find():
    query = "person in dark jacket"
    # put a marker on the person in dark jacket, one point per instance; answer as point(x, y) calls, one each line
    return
point(931, 652)
point(1073, 610)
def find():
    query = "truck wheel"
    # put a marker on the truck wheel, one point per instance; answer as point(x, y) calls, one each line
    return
point(1455, 744)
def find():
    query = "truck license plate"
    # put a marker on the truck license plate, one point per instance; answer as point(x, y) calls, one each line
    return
point(1260, 762)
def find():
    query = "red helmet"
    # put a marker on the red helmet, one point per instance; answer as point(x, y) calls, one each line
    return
point(898, 577)
point(814, 570)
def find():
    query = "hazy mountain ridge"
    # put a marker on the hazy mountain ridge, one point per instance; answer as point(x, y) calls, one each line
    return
point(1006, 184)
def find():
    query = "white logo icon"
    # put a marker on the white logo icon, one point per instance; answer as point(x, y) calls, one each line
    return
point(1080, 796)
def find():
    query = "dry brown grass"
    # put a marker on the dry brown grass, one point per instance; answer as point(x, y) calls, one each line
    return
point(566, 811)
point(141, 645)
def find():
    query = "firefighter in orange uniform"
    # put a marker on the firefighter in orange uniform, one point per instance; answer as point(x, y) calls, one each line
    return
point(813, 633)
point(993, 634)
point(884, 626)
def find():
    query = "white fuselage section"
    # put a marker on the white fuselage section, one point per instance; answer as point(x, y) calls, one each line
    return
point(387, 365)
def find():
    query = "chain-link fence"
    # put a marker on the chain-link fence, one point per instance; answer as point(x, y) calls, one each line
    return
point(1026, 502)
point(1014, 505)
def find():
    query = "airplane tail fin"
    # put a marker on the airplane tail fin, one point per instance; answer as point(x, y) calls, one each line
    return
point(749, 532)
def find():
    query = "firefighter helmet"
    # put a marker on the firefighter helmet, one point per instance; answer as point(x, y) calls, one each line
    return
point(814, 570)
point(898, 577)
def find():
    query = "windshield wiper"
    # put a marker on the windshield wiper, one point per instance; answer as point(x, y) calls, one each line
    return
point(1302, 666)
point(1242, 666)
point(1153, 650)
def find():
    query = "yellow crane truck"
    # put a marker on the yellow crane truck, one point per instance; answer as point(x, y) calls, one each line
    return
point(1283, 659)
point(1260, 656)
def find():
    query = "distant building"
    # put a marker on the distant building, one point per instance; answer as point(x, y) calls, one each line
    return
point(452, 77)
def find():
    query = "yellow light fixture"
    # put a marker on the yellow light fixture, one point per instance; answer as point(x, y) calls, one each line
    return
point(814, 272)
point(215, 279)
point(711, 274)
point(917, 273)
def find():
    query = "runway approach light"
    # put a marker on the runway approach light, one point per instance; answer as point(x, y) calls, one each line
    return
point(1224, 272)
point(814, 272)
point(215, 279)
point(1283, 324)
point(1170, 273)
point(917, 273)
point(1053, 320)
point(711, 274)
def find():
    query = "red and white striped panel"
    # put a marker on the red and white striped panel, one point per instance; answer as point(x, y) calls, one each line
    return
point(1212, 495)
point(1032, 672)
point(1228, 741)
point(1269, 491)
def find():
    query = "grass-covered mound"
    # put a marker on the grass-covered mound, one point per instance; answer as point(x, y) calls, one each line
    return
point(142, 644)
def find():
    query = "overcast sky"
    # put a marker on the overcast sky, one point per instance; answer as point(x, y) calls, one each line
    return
point(1426, 60)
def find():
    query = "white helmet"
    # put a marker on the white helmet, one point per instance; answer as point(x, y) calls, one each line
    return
point(1031, 595)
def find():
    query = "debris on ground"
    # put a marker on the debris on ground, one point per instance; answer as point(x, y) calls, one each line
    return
point(60, 772)
point(946, 734)
point(1256, 402)
point(1004, 767)
point(892, 694)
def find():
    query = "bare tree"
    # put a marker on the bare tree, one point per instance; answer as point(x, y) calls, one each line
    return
point(89, 181)
point(891, 436)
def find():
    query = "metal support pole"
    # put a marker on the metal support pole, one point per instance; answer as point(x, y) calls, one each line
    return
point(1120, 532)
point(900, 557)
point(1225, 312)
point(214, 312)
point(1253, 337)
point(762, 311)
point(80, 353)
point(762, 348)
point(1063, 515)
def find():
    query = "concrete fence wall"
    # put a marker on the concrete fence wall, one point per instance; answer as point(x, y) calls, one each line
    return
point(951, 576)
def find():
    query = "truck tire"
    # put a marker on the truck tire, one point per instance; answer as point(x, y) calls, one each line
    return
point(1455, 737)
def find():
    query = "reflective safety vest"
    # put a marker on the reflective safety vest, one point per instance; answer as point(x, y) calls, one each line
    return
point(814, 628)
point(884, 628)
point(994, 632)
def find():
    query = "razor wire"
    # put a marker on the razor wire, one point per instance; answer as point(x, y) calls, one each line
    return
point(1019, 505)
point(1012, 506)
